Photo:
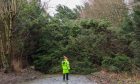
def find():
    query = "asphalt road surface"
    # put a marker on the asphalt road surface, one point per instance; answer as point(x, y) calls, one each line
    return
point(57, 79)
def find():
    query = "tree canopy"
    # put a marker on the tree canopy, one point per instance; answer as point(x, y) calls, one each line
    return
point(30, 36)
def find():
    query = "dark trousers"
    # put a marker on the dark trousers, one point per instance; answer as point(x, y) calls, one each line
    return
point(66, 76)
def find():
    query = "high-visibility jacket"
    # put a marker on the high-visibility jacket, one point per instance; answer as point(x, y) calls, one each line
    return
point(65, 66)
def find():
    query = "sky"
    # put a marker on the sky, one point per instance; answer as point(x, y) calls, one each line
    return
point(53, 3)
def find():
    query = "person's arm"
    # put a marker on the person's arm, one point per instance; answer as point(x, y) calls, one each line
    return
point(68, 65)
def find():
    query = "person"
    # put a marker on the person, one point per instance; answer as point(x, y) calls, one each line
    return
point(65, 68)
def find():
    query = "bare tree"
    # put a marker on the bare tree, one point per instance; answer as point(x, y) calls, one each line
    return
point(8, 11)
point(113, 10)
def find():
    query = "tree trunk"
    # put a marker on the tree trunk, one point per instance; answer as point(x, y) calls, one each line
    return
point(8, 11)
point(3, 56)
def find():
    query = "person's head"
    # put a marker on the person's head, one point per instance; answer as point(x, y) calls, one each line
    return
point(65, 57)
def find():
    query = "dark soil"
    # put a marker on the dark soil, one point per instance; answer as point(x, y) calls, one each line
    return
point(16, 78)
point(115, 78)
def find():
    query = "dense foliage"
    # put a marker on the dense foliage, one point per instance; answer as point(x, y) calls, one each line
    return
point(137, 34)
point(88, 43)
point(41, 40)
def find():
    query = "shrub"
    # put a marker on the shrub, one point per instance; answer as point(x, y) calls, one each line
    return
point(118, 63)
point(43, 63)
point(83, 68)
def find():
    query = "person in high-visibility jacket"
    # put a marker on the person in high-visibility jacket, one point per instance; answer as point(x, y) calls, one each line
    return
point(66, 68)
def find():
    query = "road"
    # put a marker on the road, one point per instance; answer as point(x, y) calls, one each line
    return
point(57, 79)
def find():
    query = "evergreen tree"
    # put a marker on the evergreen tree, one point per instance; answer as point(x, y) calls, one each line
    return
point(137, 33)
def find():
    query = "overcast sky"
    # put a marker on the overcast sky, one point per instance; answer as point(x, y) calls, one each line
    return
point(70, 3)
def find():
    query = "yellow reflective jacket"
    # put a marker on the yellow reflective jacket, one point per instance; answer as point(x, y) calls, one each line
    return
point(65, 66)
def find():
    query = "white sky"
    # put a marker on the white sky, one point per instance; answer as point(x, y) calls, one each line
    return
point(53, 3)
